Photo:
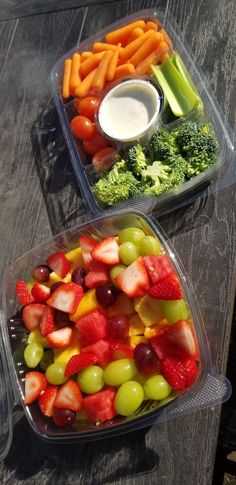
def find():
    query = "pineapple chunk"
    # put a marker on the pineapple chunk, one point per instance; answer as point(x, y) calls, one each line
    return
point(158, 329)
point(137, 339)
point(136, 326)
point(54, 278)
point(149, 310)
point(87, 304)
point(65, 354)
point(75, 258)
point(30, 284)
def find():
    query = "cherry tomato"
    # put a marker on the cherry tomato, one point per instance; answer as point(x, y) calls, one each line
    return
point(94, 144)
point(88, 106)
point(82, 127)
point(103, 158)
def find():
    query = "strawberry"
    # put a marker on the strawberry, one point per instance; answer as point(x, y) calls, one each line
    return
point(192, 370)
point(23, 293)
point(46, 400)
point(93, 326)
point(46, 324)
point(174, 372)
point(158, 267)
point(60, 338)
point(78, 362)
point(31, 315)
point(107, 251)
point(87, 244)
point(97, 274)
point(59, 263)
point(165, 348)
point(181, 334)
point(167, 289)
point(66, 298)
point(133, 281)
point(102, 351)
point(40, 293)
point(69, 397)
point(35, 383)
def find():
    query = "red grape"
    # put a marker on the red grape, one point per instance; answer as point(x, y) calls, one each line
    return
point(63, 417)
point(41, 273)
point(118, 326)
point(78, 276)
point(146, 359)
point(106, 294)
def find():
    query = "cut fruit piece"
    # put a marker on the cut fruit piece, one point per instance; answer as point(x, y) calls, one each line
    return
point(69, 397)
point(46, 324)
point(123, 305)
point(54, 278)
point(133, 281)
point(23, 293)
point(149, 310)
point(75, 258)
point(35, 383)
point(181, 334)
point(165, 348)
point(93, 326)
point(120, 350)
point(158, 267)
point(79, 362)
point(134, 340)
point(32, 314)
point(175, 373)
point(64, 355)
point(167, 289)
point(136, 325)
point(66, 298)
point(101, 349)
point(107, 251)
point(99, 407)
point(87, 304)
point(158, 329)
point(46, 400)
point(58, 263)
point(40, 293)
point(60, 338)
point(97, 275)
point(87, 245)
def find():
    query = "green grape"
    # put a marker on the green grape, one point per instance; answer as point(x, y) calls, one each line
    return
point(33, 354)
point(90, 379)
point(132, 234)
point(128, 398)
point(149, 245)
point(175, 310)
point(128, 252)
point(119, 371)
point(47, 359)
point(36, 337)
point(156, 387)
point(55, 373)
point(115, 270)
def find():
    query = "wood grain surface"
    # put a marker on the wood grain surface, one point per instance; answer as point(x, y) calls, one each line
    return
point(39, 197)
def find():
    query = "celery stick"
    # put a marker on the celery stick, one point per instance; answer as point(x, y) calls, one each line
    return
point(179, 64)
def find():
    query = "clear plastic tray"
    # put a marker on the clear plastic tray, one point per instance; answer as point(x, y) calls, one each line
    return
point(212, 110)
point(209, 390)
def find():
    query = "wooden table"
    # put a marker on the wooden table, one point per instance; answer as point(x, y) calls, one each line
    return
point(39, 197)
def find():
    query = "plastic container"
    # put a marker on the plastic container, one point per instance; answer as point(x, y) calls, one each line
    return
point(209, 390)
point(213, 114)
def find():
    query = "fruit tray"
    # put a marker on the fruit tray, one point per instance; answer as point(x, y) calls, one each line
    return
point(103, 334)
point(141, 125)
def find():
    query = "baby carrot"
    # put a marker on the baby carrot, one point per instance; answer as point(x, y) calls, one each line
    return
point(166, 38)
point(101, 71)
point(113, 64)
point(74, 75)
point(84, 55)
point(157, 56)
point(121, 35)
point(90, 63)
point(66, 79)
point(85, 85)
point(135, 34)
point(124, 70)
point(102, 46)
point(163, 50)
point(128, 51)
point(149, 46)
point(151, 26)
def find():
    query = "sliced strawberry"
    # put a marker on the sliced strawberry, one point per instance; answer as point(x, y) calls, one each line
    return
point(87, 244)
point(69, 397)
point(133, 281)
point(167, 289)
point(78, 362)
point(46, 400)
point(40, 293)
point(31, 315)
point(107, 251)
point(93, 326)
point(66, 298)
point(175, 373)
point(102, 351)
point(46, 324)
point(23, 293)
point(165, 348)
point(35, 383)
point(98, 274)
point(59, 263)
point(192, 371)
point(158, 267)
point(120, 350)
point(60, 338)
point(99, 407)
point(181, 334)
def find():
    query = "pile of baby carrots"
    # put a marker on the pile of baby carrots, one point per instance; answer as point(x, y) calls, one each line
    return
point(131, 49)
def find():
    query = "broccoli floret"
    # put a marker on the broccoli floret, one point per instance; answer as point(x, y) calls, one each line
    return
point(198, 163)
point(136, 159)
point(162, 145)
point(117, 185)
point(185, 134)
point(161, 177)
